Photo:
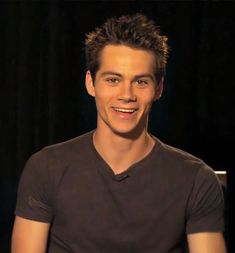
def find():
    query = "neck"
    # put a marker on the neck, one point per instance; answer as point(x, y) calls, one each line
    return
point(121, 151)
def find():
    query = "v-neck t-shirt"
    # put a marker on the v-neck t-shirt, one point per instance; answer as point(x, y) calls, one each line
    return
point(150, 207)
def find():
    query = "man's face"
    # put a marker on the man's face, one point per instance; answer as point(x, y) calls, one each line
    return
point(124, 89)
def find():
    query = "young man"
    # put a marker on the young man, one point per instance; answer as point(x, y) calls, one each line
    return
point(118, 188)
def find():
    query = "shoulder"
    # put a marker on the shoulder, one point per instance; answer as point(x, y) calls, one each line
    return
point(192, 170)
point(180, 158)
point(176, 154)
point(80, 143)
point(44, 173)
point(57, 158)
point(180, 164)
point(70, 149)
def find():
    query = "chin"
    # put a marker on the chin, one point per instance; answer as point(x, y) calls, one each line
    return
point(133, 133)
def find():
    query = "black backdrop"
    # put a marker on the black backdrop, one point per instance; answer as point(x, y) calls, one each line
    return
point(43, 99)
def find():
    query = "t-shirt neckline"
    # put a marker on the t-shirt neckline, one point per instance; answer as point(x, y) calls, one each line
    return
point(106, 169)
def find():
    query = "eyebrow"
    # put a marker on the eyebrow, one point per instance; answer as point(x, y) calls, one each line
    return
point(143, 75)
point(106, 73)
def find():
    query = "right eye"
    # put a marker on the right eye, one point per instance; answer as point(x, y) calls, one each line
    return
point(112, 80)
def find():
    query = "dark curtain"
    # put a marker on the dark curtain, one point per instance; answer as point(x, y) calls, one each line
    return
point(43, 99)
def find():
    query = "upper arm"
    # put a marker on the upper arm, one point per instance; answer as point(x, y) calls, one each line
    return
point(206, 242)
point(205, 206)
point(29, 236)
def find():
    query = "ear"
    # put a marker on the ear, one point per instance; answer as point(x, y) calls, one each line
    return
point(89, 84)
point(159, 89)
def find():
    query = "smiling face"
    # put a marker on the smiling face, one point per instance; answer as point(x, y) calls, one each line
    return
point(124, 89)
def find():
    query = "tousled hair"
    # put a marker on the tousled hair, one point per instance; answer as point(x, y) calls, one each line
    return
point(135, 31)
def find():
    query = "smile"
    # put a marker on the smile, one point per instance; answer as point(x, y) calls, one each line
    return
point(124, 110)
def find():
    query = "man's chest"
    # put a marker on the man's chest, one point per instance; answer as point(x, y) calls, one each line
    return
point(124, 213)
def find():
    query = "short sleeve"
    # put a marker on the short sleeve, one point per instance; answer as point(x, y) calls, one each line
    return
point(35, 190)
point(205, 210)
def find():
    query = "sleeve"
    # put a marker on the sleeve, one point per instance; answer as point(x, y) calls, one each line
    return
point(35, 191)
point(205, 211)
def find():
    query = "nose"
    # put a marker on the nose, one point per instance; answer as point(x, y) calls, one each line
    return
point(126, 92)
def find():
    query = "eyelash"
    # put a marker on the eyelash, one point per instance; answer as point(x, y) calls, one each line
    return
point(113, 81)
point(141, 82)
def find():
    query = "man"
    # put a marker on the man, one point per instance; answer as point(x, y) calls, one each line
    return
point(118, 188)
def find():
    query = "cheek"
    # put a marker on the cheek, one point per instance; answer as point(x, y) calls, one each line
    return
point(102, 99)
point(103, 94)
point(148, 99)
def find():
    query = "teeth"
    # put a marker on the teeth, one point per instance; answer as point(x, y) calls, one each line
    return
point(124, 110)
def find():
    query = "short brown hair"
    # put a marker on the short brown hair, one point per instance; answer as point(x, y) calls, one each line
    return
point(136, 31)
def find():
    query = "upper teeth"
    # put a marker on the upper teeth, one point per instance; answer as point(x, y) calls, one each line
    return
point(124, 110)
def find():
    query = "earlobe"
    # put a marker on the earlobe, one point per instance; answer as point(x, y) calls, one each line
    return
point(89, 84)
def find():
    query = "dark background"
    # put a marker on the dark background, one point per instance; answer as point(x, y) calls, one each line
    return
point(43, 98)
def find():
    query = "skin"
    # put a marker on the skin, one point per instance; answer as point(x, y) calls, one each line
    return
point(206, 242)
point(124, 90)
point(29, 236)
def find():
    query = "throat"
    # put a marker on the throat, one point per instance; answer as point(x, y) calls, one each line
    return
point(122, 154)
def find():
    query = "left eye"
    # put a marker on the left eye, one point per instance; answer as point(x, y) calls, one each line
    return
point(141, 82)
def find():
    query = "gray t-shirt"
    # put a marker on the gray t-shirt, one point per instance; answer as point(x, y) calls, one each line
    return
point(150, 207)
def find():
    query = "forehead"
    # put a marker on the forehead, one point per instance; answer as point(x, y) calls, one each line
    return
point(126, 58)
